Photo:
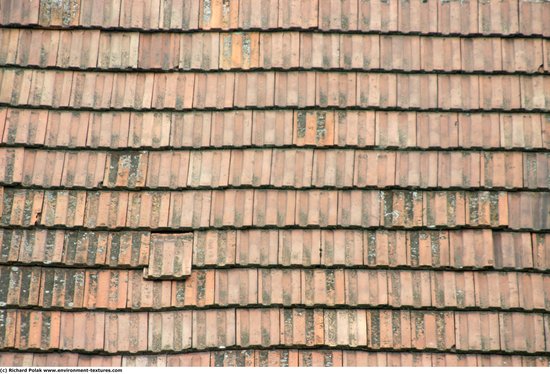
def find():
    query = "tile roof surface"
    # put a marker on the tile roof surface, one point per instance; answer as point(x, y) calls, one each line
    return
point(274, 183)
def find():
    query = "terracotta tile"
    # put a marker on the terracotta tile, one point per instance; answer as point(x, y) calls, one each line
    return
point(11, 245)
point(302, 327)
point(148, 209)
point(281, 50)
point(521, 131)
point(144, 361)
point(21, 13)
point(454, 289)
point(199, 51)
point(165, 55)
point(190, 209)
point(216, 14)
point(385, 248)
point(320, 51)
point(292, 168)
point(271, 128)
point(541, 250)
point(367, 215)
point(395, 129)
point(345, 327)
point(458, 18)
point(255, 89)
point(257, 327)
point(37, 330)
point(88, 90)
point(378, 16)
point(342, 247)
point(465, 249)
point(532, 92)
point(188, 359)
point(512, 250)
point(459, 91)
point(316, 208)
point(498, 18)
point(389, 329)
point(46, 42)
point(64, 13)
point(72, 326)
point(401, 208)
point(256, 173)
point(214, 328)
point(179, 14)
point(531, 18)
point(8, 326)
point(400, 52)
point(440, 54)
point(20, 286)
point(51, 88)
point(418, 16)
point(209, 168)
point(479, 130)
point(14, 164)
point(78, 48)
point(264, 16)
point(132, 90)
point(314, 128)
point(499, 92)
point(206, 82)
point(279, 287)
point(190, 129)
point(170, 256)
point(197, 290)
point(416, 169)
point(522, 55)
point(228, 294)
point(481, 54)
point(417, 91)
point(106, 289)
point(433, 330)
point(409, 288)
point(444, 208)
point(232, 208)
point(457, 170)
point(214, 247)
point(143, 293)
point(80, 169)
point(173, 90)
point(231, 128)
point(239, 50)
point(366, 287)
point(532, 291)
point(55, 359)
point(536, 170)
point(120, 50)
point(287, 85)
point(357, 358)
point(16, 86)
point(502, 170)
point(359, 51)
point(376, 90)
point(374, 169)
point(103, 13)
point(323, 287)
point(106, 209)
point(23, 126)
point(477, 331)
point(108, 130)
point(299, 247)
point(522, 332)
point(295, 13)
point(276, 358)
point(36, 173)
point(62, 288)
point(169, 331)
point(16, 359)
point(259, 247)
point(428, 248)
point(123, 332)
point(338, 15)
point(526, 212)
point(21, 207)
point(173, 172)
point(274, 208)
point(243, 358)
point(439, 130)
point(141, 15)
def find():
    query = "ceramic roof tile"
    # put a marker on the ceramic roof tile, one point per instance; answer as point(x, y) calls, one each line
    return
point(357, 182)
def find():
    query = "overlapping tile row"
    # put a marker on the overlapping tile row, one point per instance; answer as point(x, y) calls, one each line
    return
point(453, 17)
point(261, 167)
point(123, 332)
point(101, 90)
point(268, 208)
point(273, 129)
point(267, 50)
point(92, 289)
point(273, 358)
point(342, 248)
